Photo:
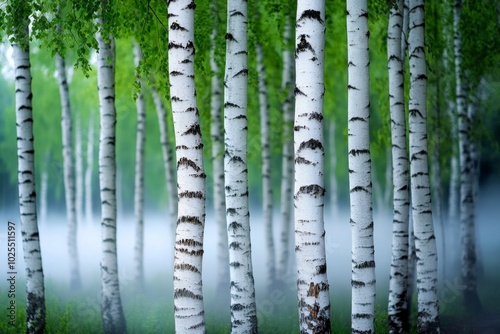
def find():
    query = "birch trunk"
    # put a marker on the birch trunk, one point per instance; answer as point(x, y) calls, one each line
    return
point(43, 194)
point(139, 177)
point(88, 171)
point(333, 171)
point(398, 283)
point(360, 183)
point(35, 291)
point(309, 189)
point(111, 307)
point(469, 256)
point(287, 155)
point(216, 133)
point(267, 187)
point(69, 176)
point(168, 159)
point(243, 307)
point(188, 292)
point(425, 241)
point(78, 172)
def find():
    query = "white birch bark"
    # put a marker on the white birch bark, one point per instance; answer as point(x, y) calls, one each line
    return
point(188, 295)
point(78, 171)
point(309, 189)
point(168, 159)
point(69, 176)
point(217, 135)
point(469, 256)
point(398, 283)
point(425, 241)
point(243, 307)
point(35, 291)
point(139, 177)
point(111, 307)
point(267, 187)
point(333, 172)
point(360, 183)
point(43, 194)
point(88, 171)
point(287, 155)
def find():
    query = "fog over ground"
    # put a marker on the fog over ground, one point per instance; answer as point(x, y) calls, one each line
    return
point(159, 250)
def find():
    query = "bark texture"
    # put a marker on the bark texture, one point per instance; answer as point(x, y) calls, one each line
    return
point(309, 188)
point(69, 175)
point(360, 179)
point(425, 241)
point(398, 284)
point(188, 287)
point(111, 307)
point(243, 307)
point(35, 290)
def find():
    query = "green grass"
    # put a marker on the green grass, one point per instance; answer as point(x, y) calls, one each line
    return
point(151, 311)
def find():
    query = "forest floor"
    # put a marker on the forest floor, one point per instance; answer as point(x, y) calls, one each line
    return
point(480, 324)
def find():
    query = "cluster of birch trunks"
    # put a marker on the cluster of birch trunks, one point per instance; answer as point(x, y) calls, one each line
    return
point(303, 168)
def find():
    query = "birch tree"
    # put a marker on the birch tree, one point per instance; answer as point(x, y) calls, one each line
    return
point(18, 20)
point(469, 269)
point(425, 242)
point(69, 176)
point(111, 307)
point(243, 307)
point(360, 183)
point(309, 189)
point(267, 187)
point(188, 294)
point(168, 157)
point(88, 171)
point(398, 284)
point(78, 171)
point(139, 176)
point(287, 86)
point(217, 135)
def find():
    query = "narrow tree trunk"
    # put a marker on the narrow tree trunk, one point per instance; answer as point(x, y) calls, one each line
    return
point(139, 178)
point(88, 171)
point(188, 287)
point(69, 176)
point(217, 135)
point(111, 307)
point(309, 190)
point(287, 155)
point(398, 284)
point(425, 242)
point(267, 187)
point(43, 194)
point(35, 291)
point(469, 256)
point(360, 183)
point(243, 307)
point(333, 171)
point(168, 159)
point(78, 172)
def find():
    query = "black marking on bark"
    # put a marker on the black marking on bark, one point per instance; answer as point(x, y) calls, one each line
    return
point(298, 127)
point(303, 45)
point(176, 73)
point(179, 293)
point(357, 152)
point(365, 264)
point(189, 242)
point(312, 189)
point(193, 130)
point(242, 72)
point(235, 245)
point(237, 13)
point(192, 5)
point(231, 105)
point(236, 159)
point(311, 14)
point(321, 269)
point(235, 226)
point(301, 160)
point(191, 194)
point(187, 61)
point(189, 219)
point(316, 116)
point(312, 144)
point(172, 45)
point(186, 266)
point(352, 87)
point(229, 37)
point(359, 188)
point(177, 26)
point(297, 91)
point(353, 119)
point(235, 264)
point(188, 163)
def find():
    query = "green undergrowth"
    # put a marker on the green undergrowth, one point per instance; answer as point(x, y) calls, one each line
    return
point(151, 310)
